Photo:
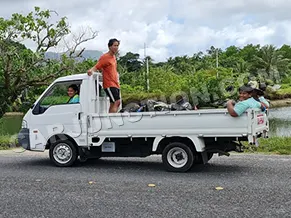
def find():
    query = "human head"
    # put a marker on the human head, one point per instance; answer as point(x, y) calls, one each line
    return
point(257, 89)
point(245, 92)
point(113, 45)
point(73, 90)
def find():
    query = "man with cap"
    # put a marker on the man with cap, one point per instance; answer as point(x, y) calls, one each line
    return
point(246, 101)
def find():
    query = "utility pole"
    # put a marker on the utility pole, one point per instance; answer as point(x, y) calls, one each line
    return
point(147, 69)
point(217, 58)
point(216, 51)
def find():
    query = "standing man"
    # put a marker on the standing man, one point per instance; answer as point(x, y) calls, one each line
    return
point(108, 64)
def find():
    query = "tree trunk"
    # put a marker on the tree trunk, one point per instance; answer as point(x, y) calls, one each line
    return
point(5, 101)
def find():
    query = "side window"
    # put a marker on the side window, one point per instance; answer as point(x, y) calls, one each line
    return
point(62, 93)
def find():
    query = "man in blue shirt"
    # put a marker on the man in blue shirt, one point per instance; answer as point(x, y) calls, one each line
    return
point(246, 101)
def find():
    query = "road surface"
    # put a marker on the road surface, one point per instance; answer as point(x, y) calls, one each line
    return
point(236, 186)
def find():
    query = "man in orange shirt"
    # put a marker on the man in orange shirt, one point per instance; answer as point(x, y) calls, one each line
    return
point(108, 64)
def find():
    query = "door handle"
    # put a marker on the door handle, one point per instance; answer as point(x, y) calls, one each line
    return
point(79, 115)
point(88, 121)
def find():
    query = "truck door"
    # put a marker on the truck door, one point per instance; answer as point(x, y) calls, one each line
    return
point(57, 112)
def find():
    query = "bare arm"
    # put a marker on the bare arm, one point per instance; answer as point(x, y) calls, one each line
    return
point(97, 66)
point(90, 71)
point(230, 108)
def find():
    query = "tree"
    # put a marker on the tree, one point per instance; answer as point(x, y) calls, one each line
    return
point(285, 51)
point(182, 65)
point(271, 60)
point(130, 62)
point(212, 51)
point(22, 68)
point(230, 58)
point(248, 54)
point(213, 56)
point(241, 67)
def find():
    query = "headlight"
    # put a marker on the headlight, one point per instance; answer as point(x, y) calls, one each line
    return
point(24, 124)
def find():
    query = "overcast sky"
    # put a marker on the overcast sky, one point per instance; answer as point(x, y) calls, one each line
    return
point(171, 27)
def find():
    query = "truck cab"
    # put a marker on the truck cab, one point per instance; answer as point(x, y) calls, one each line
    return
point(52, 113)
point(85, 129)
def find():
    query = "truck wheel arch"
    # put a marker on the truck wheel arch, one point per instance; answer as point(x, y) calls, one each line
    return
point(58, 137)
point(161, 142)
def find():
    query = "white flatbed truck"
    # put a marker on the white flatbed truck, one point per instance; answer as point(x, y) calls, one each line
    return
point(87, 130)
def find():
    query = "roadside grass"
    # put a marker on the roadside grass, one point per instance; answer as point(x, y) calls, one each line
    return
point(7, 142)
point(286, 90)
point(273, 145)
point(10, 124)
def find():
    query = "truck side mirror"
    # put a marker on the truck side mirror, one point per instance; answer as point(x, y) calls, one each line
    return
point(35, 110)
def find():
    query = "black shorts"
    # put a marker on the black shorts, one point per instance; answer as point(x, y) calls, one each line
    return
point(113, 93)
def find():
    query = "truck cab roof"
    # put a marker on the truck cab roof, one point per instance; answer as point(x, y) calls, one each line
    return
point(82, 76)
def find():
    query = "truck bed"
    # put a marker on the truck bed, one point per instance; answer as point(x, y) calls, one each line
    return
point(201, 123)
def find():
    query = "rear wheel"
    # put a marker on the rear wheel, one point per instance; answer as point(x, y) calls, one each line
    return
point(63, 153)
point(177, 157)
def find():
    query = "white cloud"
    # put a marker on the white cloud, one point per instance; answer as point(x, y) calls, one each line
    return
point(171, 27)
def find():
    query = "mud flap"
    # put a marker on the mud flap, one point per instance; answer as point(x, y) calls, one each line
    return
point(204, 157)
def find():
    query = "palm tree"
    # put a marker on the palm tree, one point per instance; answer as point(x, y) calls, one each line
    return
point(270, 60)
point(241, 67)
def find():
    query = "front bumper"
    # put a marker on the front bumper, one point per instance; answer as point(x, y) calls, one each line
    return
point(23, 138)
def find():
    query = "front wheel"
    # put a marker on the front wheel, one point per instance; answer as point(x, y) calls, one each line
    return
point(63, 153)
point(177, 157)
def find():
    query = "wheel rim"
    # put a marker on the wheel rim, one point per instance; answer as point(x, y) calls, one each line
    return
point(62, 153)
point(177, 157)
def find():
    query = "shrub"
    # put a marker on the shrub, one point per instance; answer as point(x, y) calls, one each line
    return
point(7, 141)
point(284, 86)
point(269, 82)
point(286, 80)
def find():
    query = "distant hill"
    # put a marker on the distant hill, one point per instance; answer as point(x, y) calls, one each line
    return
point(87, 54)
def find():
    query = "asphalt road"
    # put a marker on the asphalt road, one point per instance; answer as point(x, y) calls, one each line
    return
point(252, 186)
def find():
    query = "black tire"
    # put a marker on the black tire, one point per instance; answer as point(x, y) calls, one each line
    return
point(70, 155)
point(171, 157)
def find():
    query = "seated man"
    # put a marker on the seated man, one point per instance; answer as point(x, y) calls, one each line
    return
point(258, 93)
point(246, 101)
